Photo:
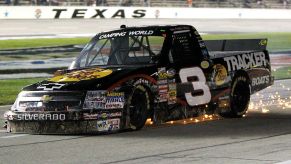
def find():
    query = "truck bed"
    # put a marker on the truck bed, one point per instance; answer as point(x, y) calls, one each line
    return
point(222, 48)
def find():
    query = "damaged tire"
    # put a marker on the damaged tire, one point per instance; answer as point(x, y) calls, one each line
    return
point(239, 97)
point(139, 106)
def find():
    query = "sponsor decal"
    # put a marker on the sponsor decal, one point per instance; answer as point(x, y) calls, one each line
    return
point(93, 105)
point(115, 94)
point(112, 35)
point(172, 99)
point(220, 74)
point(171, 73)
point(245, 61)
point(163, 91)
point(130, 33)
point(87, 74)
point(140, 32)
point(163, 97)
point(95, 100)
point(50, 86)
point(204, 64)
point(172, 85)
point(260, 80)
point(163, 87)
point(88, 116)
point(162, 73)
point(108, 125)
point(104, 100)
point(166, 74)
point(166, 85)
point(97, 116)
point(30, 106)
point(161, 82)
point(180, 28)
point(114, 100)
point(39, 117)
point(99, 13)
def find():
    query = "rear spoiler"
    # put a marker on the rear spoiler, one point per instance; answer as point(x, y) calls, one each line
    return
point(236, 45)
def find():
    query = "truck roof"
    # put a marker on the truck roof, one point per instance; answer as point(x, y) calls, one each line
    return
point(154, 28)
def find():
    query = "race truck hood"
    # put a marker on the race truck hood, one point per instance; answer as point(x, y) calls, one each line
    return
point(89, 78)
point(79, 75)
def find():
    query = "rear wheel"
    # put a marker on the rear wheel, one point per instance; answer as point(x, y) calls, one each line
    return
point(139, 105)
point(239, 97)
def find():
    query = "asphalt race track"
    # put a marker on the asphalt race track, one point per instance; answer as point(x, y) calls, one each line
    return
point(255, 139)
point(263, 136)
point(80, 26)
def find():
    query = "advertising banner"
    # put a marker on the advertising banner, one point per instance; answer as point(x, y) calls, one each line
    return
point(84, 12)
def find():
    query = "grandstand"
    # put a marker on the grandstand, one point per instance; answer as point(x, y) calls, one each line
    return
point(157, 3)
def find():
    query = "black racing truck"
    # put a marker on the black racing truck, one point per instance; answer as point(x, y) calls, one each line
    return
point(125, 76)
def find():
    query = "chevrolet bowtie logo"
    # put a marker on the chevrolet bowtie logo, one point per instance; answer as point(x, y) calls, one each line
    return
point(46, 98)
point(50, 86)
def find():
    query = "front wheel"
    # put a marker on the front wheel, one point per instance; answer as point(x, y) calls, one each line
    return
point(239, 97)
point(138, 107)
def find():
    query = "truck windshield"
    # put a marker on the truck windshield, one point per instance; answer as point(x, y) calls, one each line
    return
point(124, 50)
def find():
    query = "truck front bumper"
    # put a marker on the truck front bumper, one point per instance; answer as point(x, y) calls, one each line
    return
point(63, 122)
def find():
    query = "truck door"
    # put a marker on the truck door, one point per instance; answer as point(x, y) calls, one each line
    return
point(186, 57)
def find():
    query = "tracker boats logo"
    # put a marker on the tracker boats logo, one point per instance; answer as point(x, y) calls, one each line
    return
point(261, 80)
point(245, 61)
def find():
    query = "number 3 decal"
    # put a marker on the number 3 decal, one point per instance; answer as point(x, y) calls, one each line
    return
point(200, 84)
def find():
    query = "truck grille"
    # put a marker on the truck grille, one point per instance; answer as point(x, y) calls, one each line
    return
point(51, 101)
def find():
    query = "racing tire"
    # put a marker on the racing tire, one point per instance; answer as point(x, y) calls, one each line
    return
point(239, 97)
point(139, 106)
